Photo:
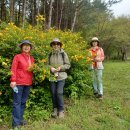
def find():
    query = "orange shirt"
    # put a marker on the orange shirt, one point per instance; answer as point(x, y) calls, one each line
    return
point(94, 53)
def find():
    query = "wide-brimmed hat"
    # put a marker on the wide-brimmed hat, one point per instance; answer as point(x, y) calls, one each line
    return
point(94, 39)
point(25, 42)
point(55, 40)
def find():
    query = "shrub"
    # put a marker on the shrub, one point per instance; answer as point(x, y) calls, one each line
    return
point(78, 81)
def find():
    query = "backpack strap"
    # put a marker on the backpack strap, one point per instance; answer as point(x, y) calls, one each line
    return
point(49, 57)
point(63, 57)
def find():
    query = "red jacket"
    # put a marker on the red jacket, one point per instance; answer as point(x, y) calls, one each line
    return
point(19, 69)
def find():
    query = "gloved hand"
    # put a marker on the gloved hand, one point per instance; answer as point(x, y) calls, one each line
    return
point(15, 89)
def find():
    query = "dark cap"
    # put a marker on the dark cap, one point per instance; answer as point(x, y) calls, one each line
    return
point(25, 42)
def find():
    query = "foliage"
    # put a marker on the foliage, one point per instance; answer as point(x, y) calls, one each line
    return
point(89, 113)
point(79, 83)
point(5, 114)
point(117, 41)
point(76, 48)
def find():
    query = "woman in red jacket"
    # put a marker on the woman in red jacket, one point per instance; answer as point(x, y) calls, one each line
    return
point(21, 81)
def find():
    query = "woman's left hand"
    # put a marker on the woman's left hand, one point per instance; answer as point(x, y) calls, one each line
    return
point(96, 59)
point(58, 69)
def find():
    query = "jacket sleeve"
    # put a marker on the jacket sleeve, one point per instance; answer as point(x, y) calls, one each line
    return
point(14, 69)
point(66, 64)
point(102, 55)
point(33, 60)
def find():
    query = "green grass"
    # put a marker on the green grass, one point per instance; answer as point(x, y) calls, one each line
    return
point(112, 113)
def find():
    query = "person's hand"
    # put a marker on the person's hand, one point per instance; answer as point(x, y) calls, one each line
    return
point(58, 69)
point(12, 84)
point(96, 59)
point(53, 70)
point(56, 74)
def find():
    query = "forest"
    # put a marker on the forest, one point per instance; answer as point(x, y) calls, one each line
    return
point(90, 17)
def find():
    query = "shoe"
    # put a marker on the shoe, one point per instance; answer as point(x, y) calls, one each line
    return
point(61, 114)
point(95, 94)
point(100, 96)
point(22, 123)
point(54, 113)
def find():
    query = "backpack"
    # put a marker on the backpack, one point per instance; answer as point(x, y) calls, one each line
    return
point(62, 54)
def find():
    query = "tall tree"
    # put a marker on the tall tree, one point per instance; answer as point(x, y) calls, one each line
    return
point(11, 10)
point(61, 14)
point(50, 15)
point(3, 10)
point(78, 3)
point(19, 12)
point(23, 13)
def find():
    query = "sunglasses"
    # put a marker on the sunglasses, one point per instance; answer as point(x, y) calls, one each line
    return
point(56, 43)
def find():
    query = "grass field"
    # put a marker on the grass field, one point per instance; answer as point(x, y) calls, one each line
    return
point(112, 113)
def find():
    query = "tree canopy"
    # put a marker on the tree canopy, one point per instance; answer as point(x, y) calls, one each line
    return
point(90, 17)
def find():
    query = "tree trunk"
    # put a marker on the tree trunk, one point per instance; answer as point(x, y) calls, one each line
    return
point(3, 10)
point(32, 13)
point(118, 54)
point(19, 13)
point(78, 3)
point(23, 13)
point(11, 10)
point(44, 8)
point(44, 13)
point(57, 13)
point(50, 15)
point(35, 11)
point(124, 53)
point(74, 20)
point(61, 13)
point(38, 7)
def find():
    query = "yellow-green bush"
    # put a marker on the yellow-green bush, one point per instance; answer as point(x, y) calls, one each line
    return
point(78, 80)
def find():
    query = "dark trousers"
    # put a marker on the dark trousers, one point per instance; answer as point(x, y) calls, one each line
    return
point(19, 102)
point(56, 89)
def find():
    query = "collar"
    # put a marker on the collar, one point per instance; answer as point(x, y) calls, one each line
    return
point(25, 54)
point(94, 48)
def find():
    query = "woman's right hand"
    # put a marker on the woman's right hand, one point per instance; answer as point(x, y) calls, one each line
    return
point(12, 84)
point(53, 70)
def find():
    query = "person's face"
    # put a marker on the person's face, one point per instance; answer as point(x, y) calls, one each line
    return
point(26, 48)
point(56, 46)
point(94, 43)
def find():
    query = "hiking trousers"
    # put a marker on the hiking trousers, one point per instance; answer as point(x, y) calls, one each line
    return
point(97, 81)
point(56, 89)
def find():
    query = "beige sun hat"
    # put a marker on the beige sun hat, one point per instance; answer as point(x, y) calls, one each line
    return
point(55, 40)
point(94, 39)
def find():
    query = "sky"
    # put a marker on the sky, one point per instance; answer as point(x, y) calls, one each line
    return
point(122, 8)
